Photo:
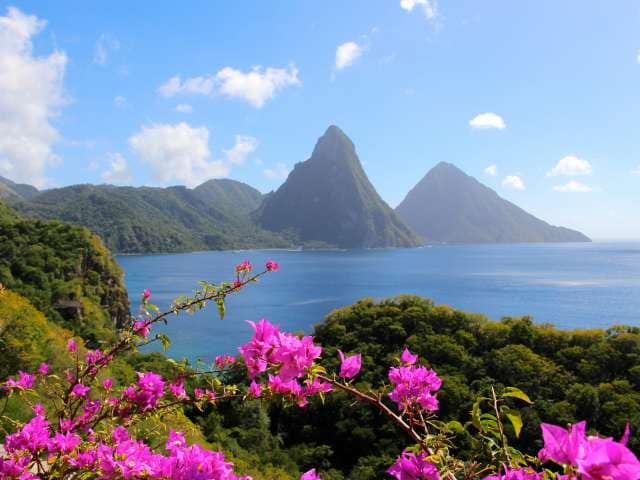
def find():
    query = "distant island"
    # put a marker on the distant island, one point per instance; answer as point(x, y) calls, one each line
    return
point(327, 201)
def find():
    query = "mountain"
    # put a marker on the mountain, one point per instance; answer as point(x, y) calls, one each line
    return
point(328, 198)
point(449, 206)
point(12, 191)
point(230, 196)
point(147, 219)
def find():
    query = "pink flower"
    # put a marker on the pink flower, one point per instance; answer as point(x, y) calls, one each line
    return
point(38, 409)
point(414, 386)
point(177, 389)
point(595, 458)
point(24, 382)
point(408, 358)
point(141, 328)
point(32, 436)
point(80, 390)
point(107, 383)
point(244, 267)
point(223, 360)
point(272, 266)
point(43, 369)
point(72, 346)
point(146, 294)
point(310, 475)
point(410, 466)
point(255, 389)
point(349, 366)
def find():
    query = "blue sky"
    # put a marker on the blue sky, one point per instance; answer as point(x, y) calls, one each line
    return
point(547, 92)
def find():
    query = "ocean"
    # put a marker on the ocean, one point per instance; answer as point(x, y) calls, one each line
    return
point(586, 285)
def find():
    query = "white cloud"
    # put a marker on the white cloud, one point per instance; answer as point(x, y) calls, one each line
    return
point(118, 171)
point(193, 86)
point(184, 108)
point(636, 171)
point(105, 45)
point(430, 7)
point(638, 57)
point(571, 166)
point(279, 172)
point(244, 146)
point(120, 101)
point(178, 153)
point(31, 93)
point(258, 85)
point(513, 181)
point(255, 86)
point(487, 120)
point(573, 187)
point(346, 54)
point(491, 170)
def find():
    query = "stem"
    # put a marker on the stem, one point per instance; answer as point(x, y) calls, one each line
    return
point(377, 402)
point(503, 437)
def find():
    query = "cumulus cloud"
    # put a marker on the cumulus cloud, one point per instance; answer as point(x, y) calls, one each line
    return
point(177, 153)
point(571, 166)
point(491, 170)
point(346, 54)
point(31, 93)
point(184, 108)
point(487, 120)
point(118, 171)
point(241, 149)
point(430, 7)
point(573, 187)
point(105, 45)
point(513, 181)
point(279, 172)
point(255, 86)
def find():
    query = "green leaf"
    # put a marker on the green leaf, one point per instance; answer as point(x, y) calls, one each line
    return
point(516, 393)
point(166, 343)
point(516, 420)
point(221, 307)
point(475, 415)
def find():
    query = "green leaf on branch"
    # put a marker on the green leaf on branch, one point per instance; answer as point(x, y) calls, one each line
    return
point(515, 418)
point(166, 343)
point(516, 393)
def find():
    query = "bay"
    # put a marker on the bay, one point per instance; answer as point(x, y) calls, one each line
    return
point(587, 285)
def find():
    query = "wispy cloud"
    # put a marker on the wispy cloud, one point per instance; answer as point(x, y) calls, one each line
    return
point(242, 148)
point(573, 186)
point(346, 54)
point(279, 172)
point(105, 45)
point(118, 171)
point(491, 170)
point(429, 7)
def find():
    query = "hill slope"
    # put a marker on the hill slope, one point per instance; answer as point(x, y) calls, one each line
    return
point(449, 206)
point(12, 191)
point(329, 198)
point(146, 219)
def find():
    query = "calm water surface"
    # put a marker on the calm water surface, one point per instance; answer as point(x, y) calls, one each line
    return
point(569, 285)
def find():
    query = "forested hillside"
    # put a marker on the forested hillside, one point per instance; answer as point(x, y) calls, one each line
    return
point(153, 220)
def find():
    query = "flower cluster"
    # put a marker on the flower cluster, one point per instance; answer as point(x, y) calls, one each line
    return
point(592, 457)
point(410, 466)
point(414, 385)
point(289, 358)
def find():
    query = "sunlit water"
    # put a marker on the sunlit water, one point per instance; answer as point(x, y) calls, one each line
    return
point(569, 285)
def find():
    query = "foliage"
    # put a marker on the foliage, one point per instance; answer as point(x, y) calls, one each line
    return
point(570, 375)
point(66, 272)
point(213, 216)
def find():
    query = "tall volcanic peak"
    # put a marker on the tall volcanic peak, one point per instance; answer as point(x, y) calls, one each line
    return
point(329, 199)
point(449, 206)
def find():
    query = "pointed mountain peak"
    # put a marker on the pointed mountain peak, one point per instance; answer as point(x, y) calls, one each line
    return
point(334, 143)
point(445, 167)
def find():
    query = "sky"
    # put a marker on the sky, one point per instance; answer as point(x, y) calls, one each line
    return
point(538, 100)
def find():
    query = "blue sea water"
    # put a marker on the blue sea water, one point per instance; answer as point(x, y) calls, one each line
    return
point(569, 285)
